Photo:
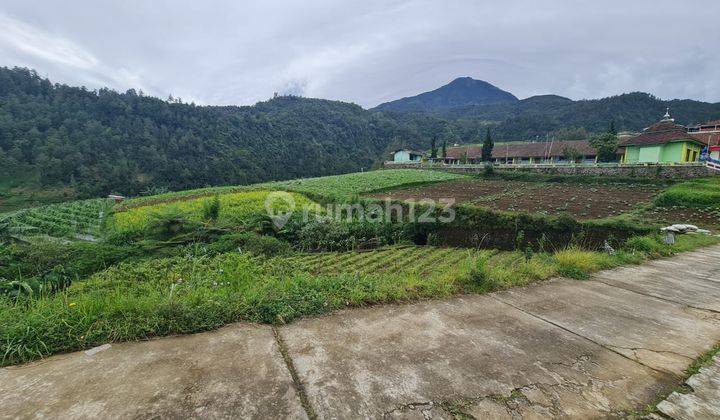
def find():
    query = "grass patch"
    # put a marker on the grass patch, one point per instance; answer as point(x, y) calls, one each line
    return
point(698, 193)
point(576, 263)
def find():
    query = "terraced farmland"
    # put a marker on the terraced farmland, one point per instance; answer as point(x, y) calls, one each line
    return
point(344, 186)
point(423, 260)
point(60, 220)
point(336, 186)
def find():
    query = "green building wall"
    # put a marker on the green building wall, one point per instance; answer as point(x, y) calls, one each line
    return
point(675, 152)
point(672, 152)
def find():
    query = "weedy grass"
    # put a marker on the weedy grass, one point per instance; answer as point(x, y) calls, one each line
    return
point(697, 193)
point(178, 295)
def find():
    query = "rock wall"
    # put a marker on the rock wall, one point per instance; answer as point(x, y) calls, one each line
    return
point(640, 171)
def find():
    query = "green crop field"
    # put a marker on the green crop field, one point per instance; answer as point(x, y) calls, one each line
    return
point(234, 209)
point(83, 217)
point(401, 259)
point(86, 217)
point(345, 186)
point(336, 186)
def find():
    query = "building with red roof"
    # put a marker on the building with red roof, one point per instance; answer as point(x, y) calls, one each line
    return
point(663, 142)
point(526, 152)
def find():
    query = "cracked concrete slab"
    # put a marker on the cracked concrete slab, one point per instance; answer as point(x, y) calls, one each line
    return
point(703, 402)
point(690, 279)
point(380, 361)
point(234, 372)
point(657, 333)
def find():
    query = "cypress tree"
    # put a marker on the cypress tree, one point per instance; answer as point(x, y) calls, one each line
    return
point(487, 147)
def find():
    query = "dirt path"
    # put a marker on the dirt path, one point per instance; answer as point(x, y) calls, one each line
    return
point(561, 348)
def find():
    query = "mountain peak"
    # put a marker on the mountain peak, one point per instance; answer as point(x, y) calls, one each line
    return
point(462, 91)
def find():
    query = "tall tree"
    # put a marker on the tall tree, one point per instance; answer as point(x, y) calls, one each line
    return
point(487, 146)
point(611, 129)
point(444, 148)
point(433, 148)
point(606, 145)
point(571, 153)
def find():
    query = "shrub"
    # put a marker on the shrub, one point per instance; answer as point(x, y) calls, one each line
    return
point(211, 209)
point(167, 223)
point(650, 245)
point(249, 242)
point(331, 235)
point(479, 278)
point(488, 169)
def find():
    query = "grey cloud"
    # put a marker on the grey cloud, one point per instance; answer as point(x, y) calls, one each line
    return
point(229, 52)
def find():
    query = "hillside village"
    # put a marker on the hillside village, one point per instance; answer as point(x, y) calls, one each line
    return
point(664, 142)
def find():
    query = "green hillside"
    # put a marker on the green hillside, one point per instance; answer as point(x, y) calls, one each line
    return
point(98, 142)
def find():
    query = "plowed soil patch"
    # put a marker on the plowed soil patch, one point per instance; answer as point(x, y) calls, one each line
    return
point(582, 201)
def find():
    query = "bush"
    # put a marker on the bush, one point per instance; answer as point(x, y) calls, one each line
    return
point(649, 245)
point(331, 235)
point(211, 209)
point(488, 169)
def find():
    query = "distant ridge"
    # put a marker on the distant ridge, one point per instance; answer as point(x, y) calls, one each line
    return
point(463, 91)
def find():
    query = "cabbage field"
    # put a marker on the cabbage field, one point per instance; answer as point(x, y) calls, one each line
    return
point(65, 220)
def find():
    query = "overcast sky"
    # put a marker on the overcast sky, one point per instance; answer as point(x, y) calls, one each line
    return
point(369, 51)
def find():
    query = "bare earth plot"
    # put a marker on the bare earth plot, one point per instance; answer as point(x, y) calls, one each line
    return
point(578, 200)
point(578, 349)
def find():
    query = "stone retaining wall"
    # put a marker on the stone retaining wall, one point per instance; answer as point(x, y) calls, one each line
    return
point(642, 171)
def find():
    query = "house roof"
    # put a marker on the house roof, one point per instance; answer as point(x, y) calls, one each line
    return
point(706, 138)
point(524, 149)
point(415, 152)
point(662, 132)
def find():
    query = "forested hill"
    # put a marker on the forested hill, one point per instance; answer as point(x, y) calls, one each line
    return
point(539, 115)
point(471, 105)
point(103, 141)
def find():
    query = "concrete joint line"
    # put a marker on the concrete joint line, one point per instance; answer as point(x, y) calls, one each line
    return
point(656, 297)
point(576, 334)
point(299, 387)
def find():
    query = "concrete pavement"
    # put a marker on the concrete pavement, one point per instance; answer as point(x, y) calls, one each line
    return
point(702, 402)
point(562, 348)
